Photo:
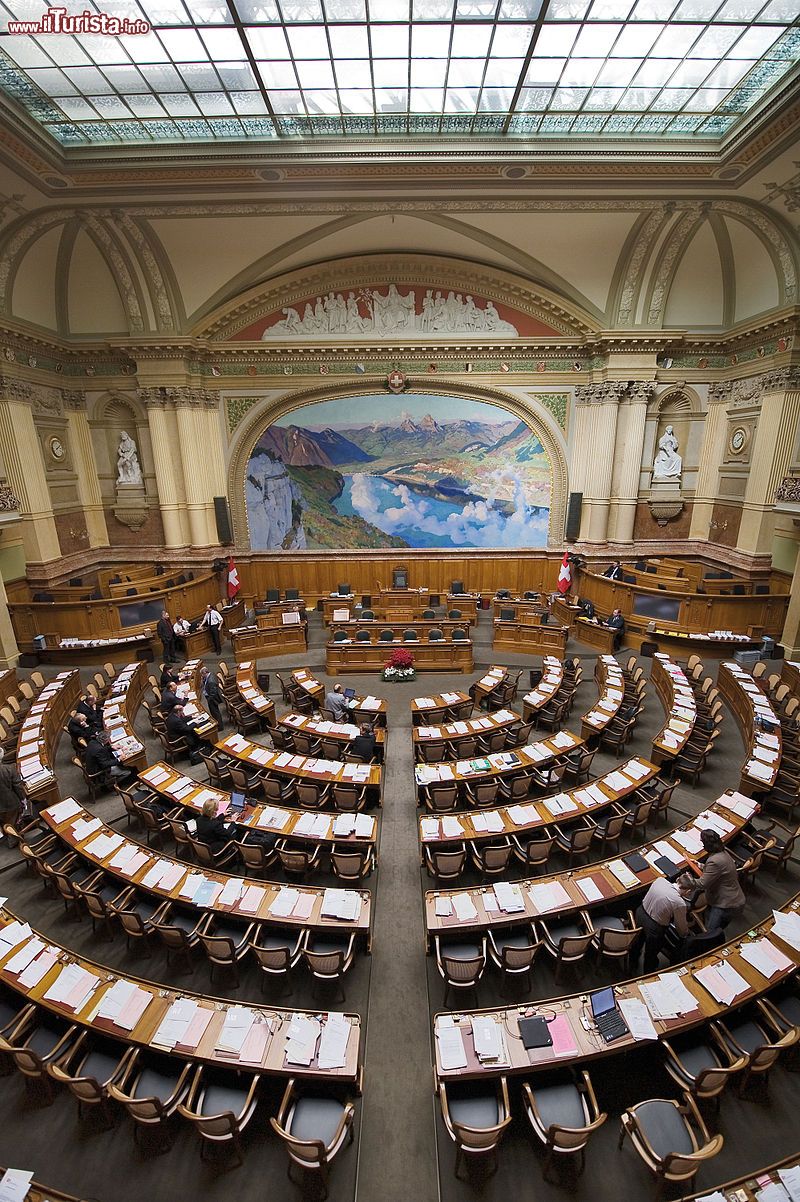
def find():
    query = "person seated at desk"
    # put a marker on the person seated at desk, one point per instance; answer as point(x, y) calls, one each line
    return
point(92, 711)
point(181, 628)
point(720, 883)
point(335, 702)
point(169, 698)
point(212, 829)
point(13, 802)
point(178, 727)
point(617, 622)
point(664, 905)
point(79, 730)
point(100, 758)
point(212, 695)
point(168, 677)
point(614, 571)
point(363, 745)
point(587, 608)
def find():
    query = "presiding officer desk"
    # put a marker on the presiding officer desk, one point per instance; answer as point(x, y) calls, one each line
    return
point(758, 725)
point(39, 735)
point(528, 815)
point(349, 831)
point(443, 655)
point(201, 889)
point(565, 894)
point(132, 1010)
point(681, 993)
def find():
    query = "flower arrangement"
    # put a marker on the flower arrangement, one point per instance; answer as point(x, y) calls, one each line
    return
point(399, 666)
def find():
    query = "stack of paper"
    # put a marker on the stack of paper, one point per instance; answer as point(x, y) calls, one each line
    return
point(175, 1023)
point(637, 1017)
point(787, 927)
point(464, 907)
point(301, 1040)
point(72, 987)
point(550, 896)
point(722, 981)
point(450, 1044)
point(765, 957)
point(235, 1029)
point(344, 904)
point(509, 897)
point(488, 1040)
point(667, 997)
point(123, 1004)
point(333, 1044)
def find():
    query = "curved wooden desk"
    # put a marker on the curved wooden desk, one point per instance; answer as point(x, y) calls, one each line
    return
point(288, 766)
point(489, 683)
point(680, 706)
point(546, 689)
point(751, 708)
point(426, 709)
point(595, 634)
point(452, 732)
point(561, 894)
point(119, 714)
point(364, 709)
point(254, 642)
point(340, 733)
point(442, 655)
point(169, 879)
point(585, 1044)
point(611, 687)
point(310, 825)
point(150, 1004)
point(194, 707)
point(524, 817)
point(529, 637)
point(252, 695)
point(40, 733)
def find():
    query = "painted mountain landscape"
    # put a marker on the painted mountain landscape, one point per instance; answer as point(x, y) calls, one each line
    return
point(412, 471)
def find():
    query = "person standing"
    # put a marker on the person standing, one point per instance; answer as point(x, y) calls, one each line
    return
point(720, 883)
point(617, 623)
point(212, 619)
point(13, 802)
point(166, 633)
point(212, 695)
point(663, 905)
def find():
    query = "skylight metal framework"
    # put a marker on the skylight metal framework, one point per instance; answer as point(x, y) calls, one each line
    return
point(222, 70)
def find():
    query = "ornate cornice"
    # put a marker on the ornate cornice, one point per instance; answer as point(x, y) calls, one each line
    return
point(602, 393)
point(719, 393)
point(12, 389)
point(73, 400)
point(179, 398)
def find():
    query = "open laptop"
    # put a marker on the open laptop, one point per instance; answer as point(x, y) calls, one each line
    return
point(238, 803)
point(607, 1018)
point(349, 694)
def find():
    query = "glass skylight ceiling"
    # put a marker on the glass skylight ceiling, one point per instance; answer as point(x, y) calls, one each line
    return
point(279, 69)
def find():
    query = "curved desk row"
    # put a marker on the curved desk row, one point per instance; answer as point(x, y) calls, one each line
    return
point(758, 723)
point(551, 681)
point(681, 993)
point(680, 707)
point(119, 715)
point(441, 655)
point(290, 767)
point(364, 709)
point(191, 695)
point(203, 889)
point(132, 1009)
point(339, 733)
point(611, 687)
point(605, 882)
point(451, 733)
point(499, 765)
point(251, 694)
point(351, 831)
point(491, 682)
point(440, 705)
point(525, 817)
point(39, 735)
point(526, 635)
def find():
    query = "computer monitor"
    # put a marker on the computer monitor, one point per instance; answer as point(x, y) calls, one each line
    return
point(603, 1001)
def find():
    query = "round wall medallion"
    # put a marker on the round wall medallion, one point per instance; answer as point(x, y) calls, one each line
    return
point(56, 447)
point(738, 440)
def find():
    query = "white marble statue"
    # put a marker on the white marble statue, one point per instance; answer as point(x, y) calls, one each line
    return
point(390, 313)
point(668, 464)
point(128, 470)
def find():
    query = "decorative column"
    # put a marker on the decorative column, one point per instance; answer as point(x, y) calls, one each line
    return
point(21, 451)
point(790, 638)
point(167, 461)
point(635, 405)
point(80, 438)
point(193, 434)
point(775, 437)
point(600, 426)
point(711, 456)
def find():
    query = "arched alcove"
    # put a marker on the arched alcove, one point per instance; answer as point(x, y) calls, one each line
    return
point(444, 468)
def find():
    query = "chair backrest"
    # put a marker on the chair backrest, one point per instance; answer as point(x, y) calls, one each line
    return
point(272, 959)
point(495, 858)
point(386, 636)
point(459, 635)
point(435, 635)
point(362, 636)
point(410, 635)
point(519, 957)
point(617, 943)
point(463, 972)
point(325, 964)
point(448, 862)
point(573, 947)
point(454, 614)
point(219, 948)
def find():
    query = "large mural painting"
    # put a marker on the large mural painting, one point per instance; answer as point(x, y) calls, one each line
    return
point(412, 471)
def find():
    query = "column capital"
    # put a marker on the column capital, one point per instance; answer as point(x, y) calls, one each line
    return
point(12, 389)
point(73, 400)
point(641, 391)
point(783, 379)
point(606, 392)
point(719, 393)
point(179, 398)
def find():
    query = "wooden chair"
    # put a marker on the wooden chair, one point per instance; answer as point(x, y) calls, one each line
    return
point(179, 930)
point(574, 841)
point(755, 1036)
point(476, 1117)
point(352, 866)
point(348, 798)
point(325, 1123)
point(514, 952)
point(566, 940)
point(219, 1108)
point(563, 1116)
point(151, 1089)
point(615, 938)
point(671, 1138)
point(226, 944)
point(492, 859)
point(461, 964)
point(298, 861)
point(446, 863)
point(328, 957)
point(534, 852)
point(277, 953)
point(440, 797)
point(88, 1068)
point(36, 1042)
point(700, 1068)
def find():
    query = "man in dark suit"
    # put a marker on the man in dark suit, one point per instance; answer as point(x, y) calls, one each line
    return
point(614, 571)
point(587, 608)
point(167, 635)
point(92, 711)
point(179, 728)
point(13, 802)
point(363, 745)
point(169, 698)
point(101, 758)
point(617, 622)
point(167, 677)
point(79, 728)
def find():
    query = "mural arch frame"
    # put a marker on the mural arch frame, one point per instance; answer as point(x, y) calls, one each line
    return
point(537, 418)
